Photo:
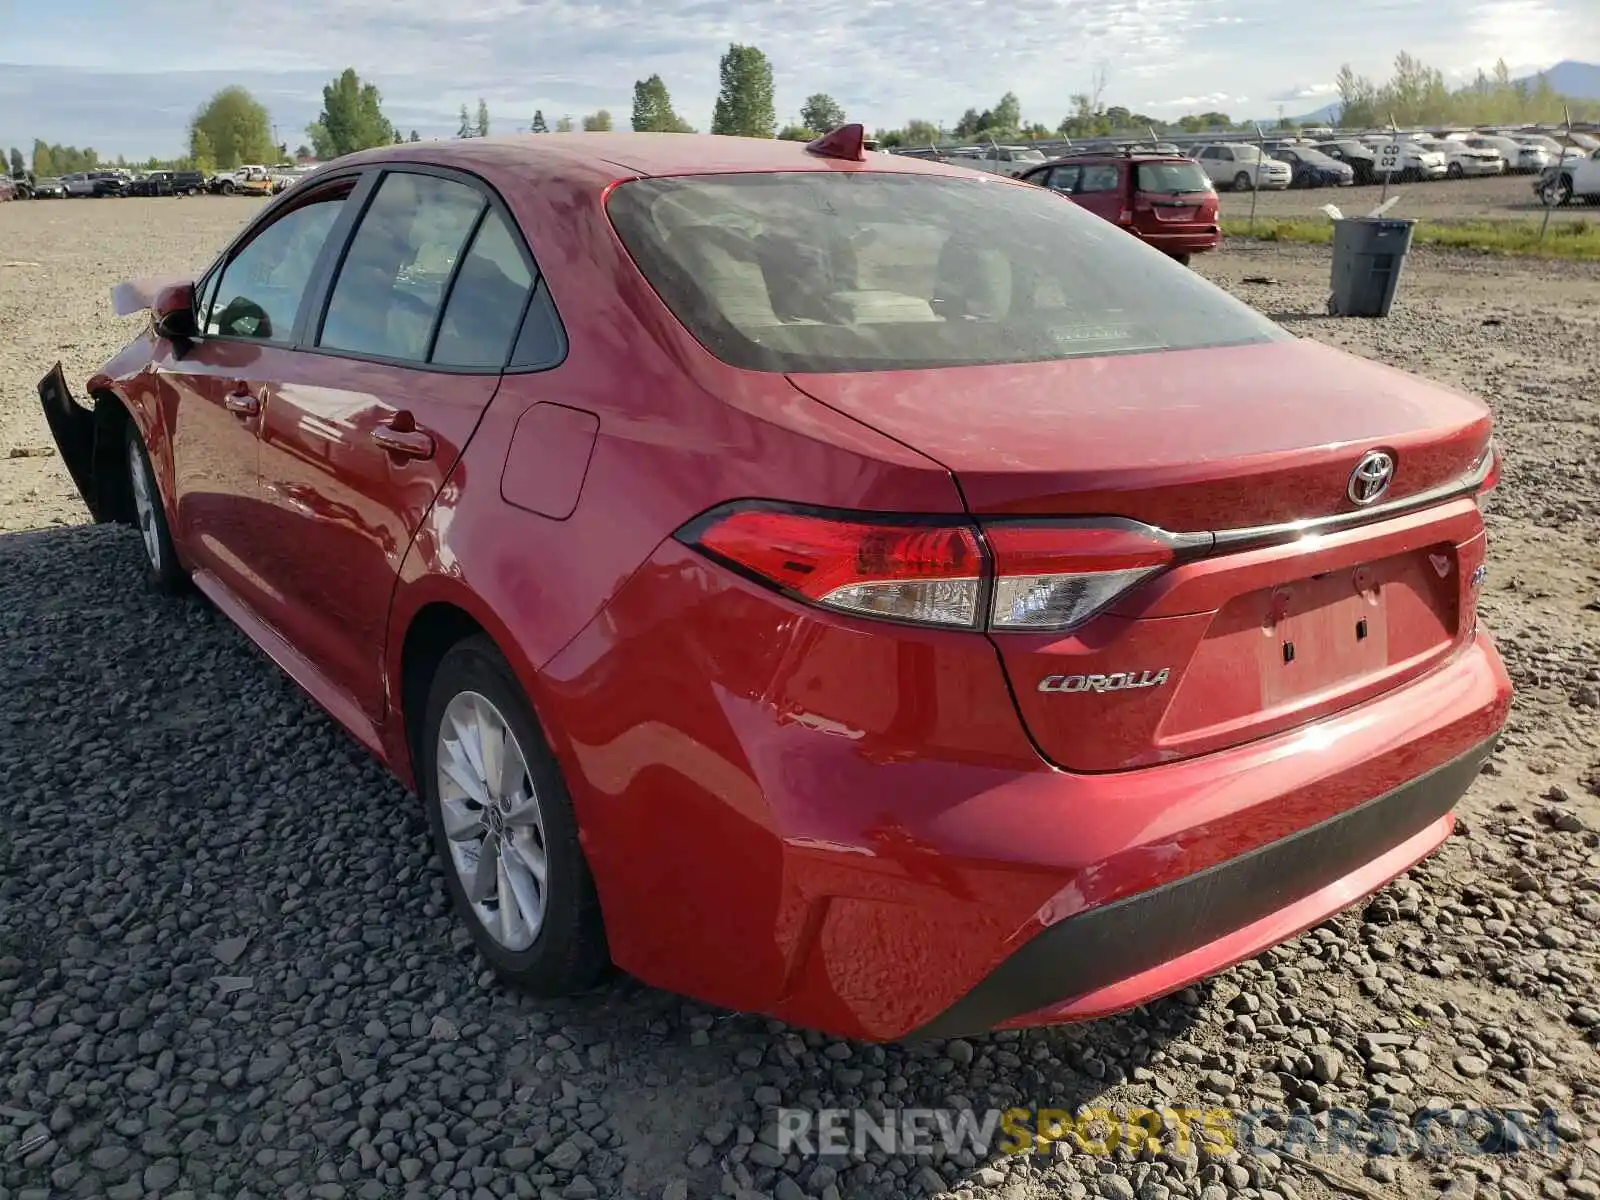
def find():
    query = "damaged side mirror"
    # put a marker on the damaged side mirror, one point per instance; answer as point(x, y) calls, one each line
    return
point(173, 314)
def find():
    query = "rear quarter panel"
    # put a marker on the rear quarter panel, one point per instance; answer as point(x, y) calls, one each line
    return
point(675, 432)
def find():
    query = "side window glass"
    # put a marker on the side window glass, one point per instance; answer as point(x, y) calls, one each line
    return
point(258, 292)
point(1102, 178)
point(386, 299)
point(1064, 179)
point(204, 294)
point(486, 300)
point(542, 342)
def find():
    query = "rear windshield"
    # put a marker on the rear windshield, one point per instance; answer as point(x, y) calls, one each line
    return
point(1172, 177)
point(861, 271)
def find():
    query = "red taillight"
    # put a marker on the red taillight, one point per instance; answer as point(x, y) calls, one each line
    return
point(1036, 575)
point(1056, 576)
point(928, 573)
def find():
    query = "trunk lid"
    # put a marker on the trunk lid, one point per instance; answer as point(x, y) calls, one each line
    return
point(1236, 644)
point(1187, 440)
point(1167, 197)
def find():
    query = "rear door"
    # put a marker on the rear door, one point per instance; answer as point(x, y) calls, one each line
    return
point(1100, 190)
point(398, 365)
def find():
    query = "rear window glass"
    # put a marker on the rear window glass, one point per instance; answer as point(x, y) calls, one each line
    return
point(1172, 177)
point(861, 271)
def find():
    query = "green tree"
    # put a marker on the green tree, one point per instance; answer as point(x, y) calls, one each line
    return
point(464, 130)
point(43, 165)
point(564, 125)
point(821, 112)
point(236, 127)
point(352, 118)
point(652, 109)
point(796, 133)
point(201, 152)
point(303, 151)
point(482, 125)
point(18, 167)
point(744, 102)
point(538, 125)
point(599, 122)
point(415, 136)
point(1007, 116)
point(921, 133)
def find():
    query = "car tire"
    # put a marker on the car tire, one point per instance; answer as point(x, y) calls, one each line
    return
point(543, 936)
point(1181, 259)
point(1454, 171)
point(1563, 191)
point(163, 572)
point(1241, 182)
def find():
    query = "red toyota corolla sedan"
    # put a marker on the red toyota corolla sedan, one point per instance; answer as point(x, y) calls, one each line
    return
point(866, 591)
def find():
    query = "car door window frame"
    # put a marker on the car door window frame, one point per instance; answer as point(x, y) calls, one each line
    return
point(323, 280)
point(270, 216)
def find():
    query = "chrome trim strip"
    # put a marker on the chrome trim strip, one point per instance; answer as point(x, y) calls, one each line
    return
point(1288, 531)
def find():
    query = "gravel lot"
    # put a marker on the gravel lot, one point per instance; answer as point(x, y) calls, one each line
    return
point(227, 965)
point(1500, 197)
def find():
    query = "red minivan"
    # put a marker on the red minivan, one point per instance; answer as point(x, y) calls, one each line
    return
point(1163, 198)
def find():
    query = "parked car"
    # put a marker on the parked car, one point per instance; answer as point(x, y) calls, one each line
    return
point(1521, 157)
point(1408, 160)
point(1356, 155)
point(251, 180)
point(1576, 180)
point(1163, 199)
point(1462, 160)
point(998, 160)
point(1312, 169)
point(1039, 652)
point(8, 190)
point(154, 183)
point(1242, 167)
point(49, 188)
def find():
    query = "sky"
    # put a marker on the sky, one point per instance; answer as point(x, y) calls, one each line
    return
point(124, 76)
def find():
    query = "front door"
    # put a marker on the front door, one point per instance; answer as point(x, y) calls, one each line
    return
point(214, 393)
point(1100, 190)
point(366, 424)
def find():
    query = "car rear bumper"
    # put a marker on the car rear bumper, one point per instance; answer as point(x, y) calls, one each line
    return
point(805, 814)
point(1194, 240)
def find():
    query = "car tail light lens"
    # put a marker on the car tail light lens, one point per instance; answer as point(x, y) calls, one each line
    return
point(1057, 576)
point(1018, 575)
point(926, 573)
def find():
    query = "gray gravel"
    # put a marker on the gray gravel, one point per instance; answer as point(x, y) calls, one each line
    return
point(227, 965)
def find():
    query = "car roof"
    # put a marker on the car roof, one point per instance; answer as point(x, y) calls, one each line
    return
point(632, 154)
point(1136, 156)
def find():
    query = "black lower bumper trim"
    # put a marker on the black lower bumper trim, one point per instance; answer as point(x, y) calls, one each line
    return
point(73, 427)
point(1126, 937)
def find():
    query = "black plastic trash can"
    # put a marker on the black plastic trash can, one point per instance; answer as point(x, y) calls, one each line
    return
point(1368, 253)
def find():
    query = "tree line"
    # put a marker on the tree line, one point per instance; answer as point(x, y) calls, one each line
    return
point(233, 128)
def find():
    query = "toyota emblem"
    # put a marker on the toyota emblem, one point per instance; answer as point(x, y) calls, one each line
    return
point(1371, 478)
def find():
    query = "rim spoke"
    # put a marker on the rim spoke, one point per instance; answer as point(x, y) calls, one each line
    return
point(483, 882)
point(530, 856)
point(461, 822)
point(513, 921)
point(467, 738)
point(525, 896)
point(524, 813)
point(459, 771)
point(492, 752)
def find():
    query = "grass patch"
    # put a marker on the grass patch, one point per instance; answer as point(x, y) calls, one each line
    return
point(1566, 238)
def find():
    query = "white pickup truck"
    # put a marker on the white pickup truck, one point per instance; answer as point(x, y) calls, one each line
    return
point(1578, 179)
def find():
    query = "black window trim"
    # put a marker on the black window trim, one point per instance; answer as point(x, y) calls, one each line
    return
point(319, 288)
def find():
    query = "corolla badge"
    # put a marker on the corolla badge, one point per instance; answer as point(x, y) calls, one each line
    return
point(1118, 682)
point(1371, 478)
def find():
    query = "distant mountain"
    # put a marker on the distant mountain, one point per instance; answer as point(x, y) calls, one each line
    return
point(1581, 81)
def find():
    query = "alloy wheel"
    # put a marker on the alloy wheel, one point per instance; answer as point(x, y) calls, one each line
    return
point(492, 819)
point(144, 503)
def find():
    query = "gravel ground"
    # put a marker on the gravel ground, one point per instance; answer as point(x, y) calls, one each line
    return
point(1499, 197)
point(228, 968)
